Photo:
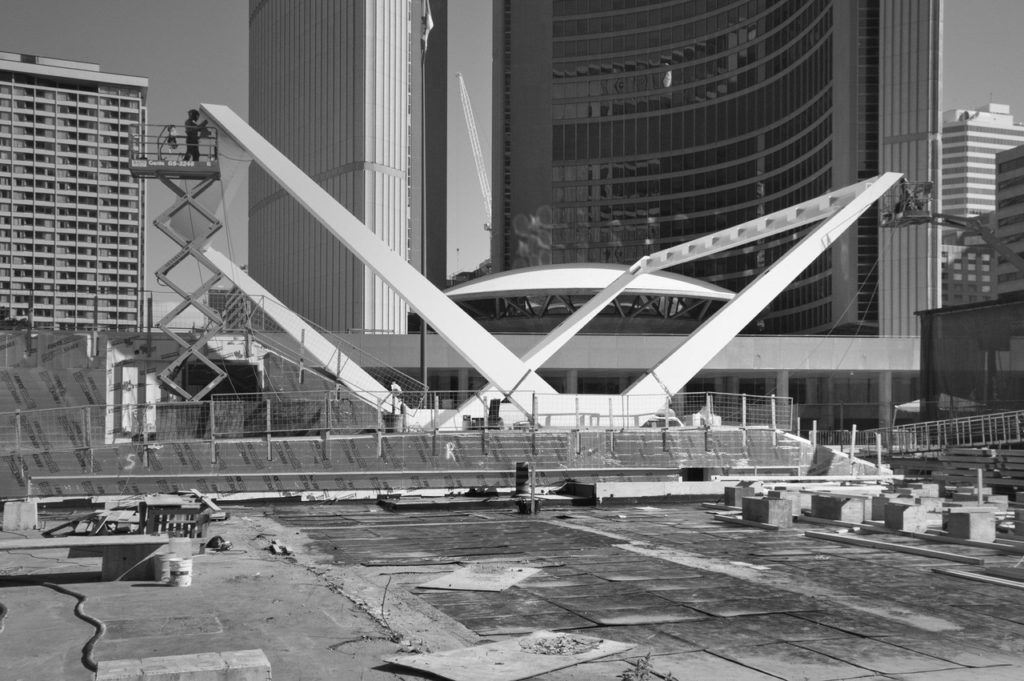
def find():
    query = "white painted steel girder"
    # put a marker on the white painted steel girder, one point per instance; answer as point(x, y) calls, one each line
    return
point(805, 213)
point(323, 352)
point(697, 349)
point(482, 350)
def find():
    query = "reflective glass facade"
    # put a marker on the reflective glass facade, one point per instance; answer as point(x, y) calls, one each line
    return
point(631, 125)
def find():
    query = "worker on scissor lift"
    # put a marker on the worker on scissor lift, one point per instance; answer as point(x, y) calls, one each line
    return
point(193, 131)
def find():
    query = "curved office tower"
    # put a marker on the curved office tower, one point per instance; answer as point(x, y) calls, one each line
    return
point(626, 126)
point(331, 86)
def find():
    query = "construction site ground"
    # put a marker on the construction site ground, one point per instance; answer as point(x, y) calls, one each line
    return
point(704, 599)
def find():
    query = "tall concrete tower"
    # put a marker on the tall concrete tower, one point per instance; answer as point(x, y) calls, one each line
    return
point(336, 87)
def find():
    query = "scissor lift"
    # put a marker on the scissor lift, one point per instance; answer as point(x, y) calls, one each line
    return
point(159, 153)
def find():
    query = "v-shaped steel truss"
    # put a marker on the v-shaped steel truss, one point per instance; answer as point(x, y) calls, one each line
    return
point(509, 374)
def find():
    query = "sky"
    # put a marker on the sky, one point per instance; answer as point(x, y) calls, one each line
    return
point(196, 51)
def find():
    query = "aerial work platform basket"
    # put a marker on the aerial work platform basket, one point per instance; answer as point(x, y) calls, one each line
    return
point(161, 151)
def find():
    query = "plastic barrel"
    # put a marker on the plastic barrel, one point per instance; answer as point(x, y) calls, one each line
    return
point(162, 566)
point(180, 572)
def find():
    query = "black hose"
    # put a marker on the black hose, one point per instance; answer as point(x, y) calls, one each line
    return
point(87, 659)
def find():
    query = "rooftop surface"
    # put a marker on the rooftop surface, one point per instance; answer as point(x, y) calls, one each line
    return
point(706, 599)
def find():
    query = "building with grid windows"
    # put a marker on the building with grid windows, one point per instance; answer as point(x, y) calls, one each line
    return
point(72, 217)
point(626, 126)
point(970, 141)
point(1008, 220)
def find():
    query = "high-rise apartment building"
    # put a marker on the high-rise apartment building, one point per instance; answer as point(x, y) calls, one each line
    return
point(627, 126)
point(336, 86)
point(971, 138)
point(970, 141)
point(72, 217)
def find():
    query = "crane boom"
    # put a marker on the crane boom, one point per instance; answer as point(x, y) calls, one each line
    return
point(478, 157)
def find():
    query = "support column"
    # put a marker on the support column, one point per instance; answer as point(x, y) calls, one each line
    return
point(782, 383)
point(885, 399)
point(572, 377)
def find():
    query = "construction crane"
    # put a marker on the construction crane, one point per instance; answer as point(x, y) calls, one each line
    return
point(478, 157)
point(909, 203)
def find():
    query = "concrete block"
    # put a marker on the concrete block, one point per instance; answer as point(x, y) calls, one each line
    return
point(845, 509)
point(734, 494)
point(931, 504)
point(974, 525)
point(906, 517)
point(877, 508)
point(1001, 501)
point(246, 665)
point(20, 516)
point(778, 512)
point(118, 670)
point(791, 494)
point(195, 667)
point(925, 489)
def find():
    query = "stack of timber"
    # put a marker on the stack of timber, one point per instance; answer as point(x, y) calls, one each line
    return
point(959, 466)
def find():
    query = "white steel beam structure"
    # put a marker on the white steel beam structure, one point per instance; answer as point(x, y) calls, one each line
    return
point(672, 373)
point(802, 214)
point(483, 351)
point(835, 210)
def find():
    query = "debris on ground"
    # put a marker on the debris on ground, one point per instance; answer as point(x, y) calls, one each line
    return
point(562, 644)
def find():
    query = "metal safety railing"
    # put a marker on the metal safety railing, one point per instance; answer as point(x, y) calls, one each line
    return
point(169, 151)
point(338, 411)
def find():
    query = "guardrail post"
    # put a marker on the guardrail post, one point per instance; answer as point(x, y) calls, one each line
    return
point(270, 450)
point(326, 433)
point(213, 439)
point(576, 411)
point(17, 440)
point(773, 413)
point(87, 427)
point(878, 451)
point(814, 433)
point(853, 439)
point(743, 410)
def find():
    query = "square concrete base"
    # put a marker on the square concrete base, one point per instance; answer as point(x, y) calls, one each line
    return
point(931, 504)
point(792, 495)
point(924, 489)
point(878, 503)
point(735, 494)
point(844, 509)
point(906, 517)
point(778, 512)
point(973, 525)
